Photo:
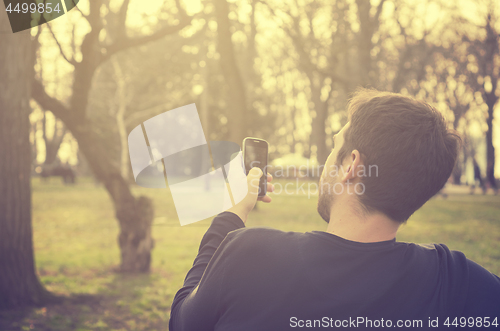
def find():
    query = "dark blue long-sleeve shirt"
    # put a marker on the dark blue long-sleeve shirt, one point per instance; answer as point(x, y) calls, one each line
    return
point(261, 279)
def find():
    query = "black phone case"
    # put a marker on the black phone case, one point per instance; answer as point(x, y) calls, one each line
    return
point(263, 179)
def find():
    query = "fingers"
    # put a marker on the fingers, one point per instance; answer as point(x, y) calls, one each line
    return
point(265, 198)
point(255, 171)
point(253, 180)
point(254, 175)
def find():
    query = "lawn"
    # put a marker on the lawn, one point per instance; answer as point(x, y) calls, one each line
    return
point(75, 238)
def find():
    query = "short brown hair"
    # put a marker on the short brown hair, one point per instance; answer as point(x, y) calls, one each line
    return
point(409, 143)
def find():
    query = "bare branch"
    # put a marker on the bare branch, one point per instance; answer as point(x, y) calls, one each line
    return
point(81, 13)
point(127, 43)
point(338, 78)
point(143, 114)
point(379, 11)
point(38, 33)
point(304, 59)
point(47, 102)
point(70, 61)
point(273, 12)
point(122, 18)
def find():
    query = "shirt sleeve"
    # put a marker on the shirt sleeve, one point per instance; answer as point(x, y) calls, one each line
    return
point(483, 296)
point(195, 306)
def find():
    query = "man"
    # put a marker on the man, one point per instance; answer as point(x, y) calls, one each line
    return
point(354, 275)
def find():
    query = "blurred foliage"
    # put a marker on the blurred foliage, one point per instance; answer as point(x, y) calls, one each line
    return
point(299, 60)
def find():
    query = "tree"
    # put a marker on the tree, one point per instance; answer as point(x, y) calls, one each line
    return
point(323, 58)
point(134, 215)
point(485, 68)
point(232, 73)
point(479, 56)
point(19, 284)
point(52, 144)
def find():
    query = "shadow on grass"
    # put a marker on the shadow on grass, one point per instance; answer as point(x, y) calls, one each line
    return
point(31, 317)
point(127, 302)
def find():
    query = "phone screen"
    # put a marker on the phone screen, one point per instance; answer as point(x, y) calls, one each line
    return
point(256, 156)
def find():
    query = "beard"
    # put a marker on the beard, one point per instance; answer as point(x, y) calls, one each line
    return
point(325, 198)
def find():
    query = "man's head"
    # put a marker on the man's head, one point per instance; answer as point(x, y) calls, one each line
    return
point(396, 149)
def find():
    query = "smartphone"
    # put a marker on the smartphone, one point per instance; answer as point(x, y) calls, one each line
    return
point(255, 155)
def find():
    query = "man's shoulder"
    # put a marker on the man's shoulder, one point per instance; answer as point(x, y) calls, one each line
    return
point(439, 252)
point(473, 289)
point(483, 295)
point(263, 235)
point(438, 257)
point(262, 244)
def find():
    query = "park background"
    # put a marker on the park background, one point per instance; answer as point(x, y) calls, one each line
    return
point(279, 70)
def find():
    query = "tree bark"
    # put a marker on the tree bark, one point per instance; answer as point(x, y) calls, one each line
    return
point(492, 50)
point(490, 149)
point(232, 74)
point(368, 26)
point(52, 145)
point(121, 106)
point(135, 215)
point(459, 111)
point(365, 45)
point(318, 122)
point(19, 284)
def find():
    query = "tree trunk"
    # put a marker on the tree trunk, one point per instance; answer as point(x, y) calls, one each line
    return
point(318, 123)
point(121, 106)
point(135, 238)
point(459, 111)
point(19, 284)
point(490, 149)
point(491, 47)
point(293, 117)
point(457, 173)
point(135, 215)
point(365, 34)
point(34, 151)
point(232, 74)
point(52, 145)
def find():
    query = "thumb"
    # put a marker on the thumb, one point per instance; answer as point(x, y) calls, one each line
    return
point(253, 180)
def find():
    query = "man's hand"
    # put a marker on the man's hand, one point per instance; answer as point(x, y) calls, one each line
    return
point(245, 206)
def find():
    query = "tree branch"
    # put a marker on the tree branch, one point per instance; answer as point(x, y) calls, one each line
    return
point(49, 103)
point(122, 18)
point(126, 43)
point(379, 11)
point(141, 115)
point(70, 61)
point(134, 42)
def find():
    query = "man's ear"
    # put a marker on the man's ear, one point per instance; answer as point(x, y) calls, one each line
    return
point(351, 166)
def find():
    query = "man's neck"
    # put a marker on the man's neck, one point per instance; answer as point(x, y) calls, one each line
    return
point(349, 222)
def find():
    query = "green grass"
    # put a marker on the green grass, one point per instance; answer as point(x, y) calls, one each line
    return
point(75, 238)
